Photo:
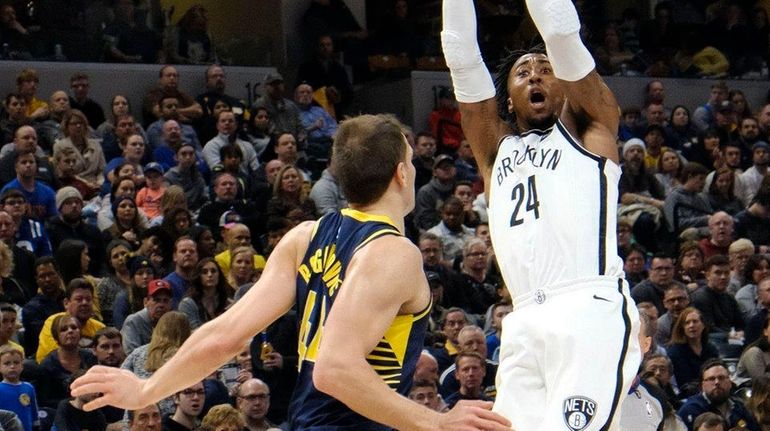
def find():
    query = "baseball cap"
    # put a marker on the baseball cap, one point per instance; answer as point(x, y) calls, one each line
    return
point(153, 166)
point(273, 77)
point(155, 286)
point(442, 158)
point(229, 217)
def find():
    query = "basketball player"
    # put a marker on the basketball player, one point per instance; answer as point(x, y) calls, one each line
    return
point(362, 299)
point(569, 349)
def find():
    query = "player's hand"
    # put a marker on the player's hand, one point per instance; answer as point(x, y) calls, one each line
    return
point(473, 415)
point(116, 387)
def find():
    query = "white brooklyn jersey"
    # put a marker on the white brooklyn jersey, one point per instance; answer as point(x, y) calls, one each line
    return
point(552, 211)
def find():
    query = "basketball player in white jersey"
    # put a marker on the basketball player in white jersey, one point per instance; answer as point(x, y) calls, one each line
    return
point(569, 350)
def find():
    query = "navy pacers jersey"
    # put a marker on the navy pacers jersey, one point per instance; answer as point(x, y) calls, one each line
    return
point(335, 239)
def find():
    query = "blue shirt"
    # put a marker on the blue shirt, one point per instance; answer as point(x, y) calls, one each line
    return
point(33, 237)
point(310, 115)
point(20, 398)
point(179, 287)
point(155, 135)
point(42, 200)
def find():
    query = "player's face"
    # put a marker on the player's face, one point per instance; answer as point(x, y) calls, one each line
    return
point(535, 94)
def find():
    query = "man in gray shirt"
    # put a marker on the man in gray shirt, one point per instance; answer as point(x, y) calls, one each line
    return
point(137, 329)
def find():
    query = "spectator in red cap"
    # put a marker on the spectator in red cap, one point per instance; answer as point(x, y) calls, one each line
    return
point(137, 329)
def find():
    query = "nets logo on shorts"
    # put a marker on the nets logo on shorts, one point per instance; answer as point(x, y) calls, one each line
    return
point(578, 412)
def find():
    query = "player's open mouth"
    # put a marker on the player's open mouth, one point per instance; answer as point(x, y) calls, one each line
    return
point(536, 98)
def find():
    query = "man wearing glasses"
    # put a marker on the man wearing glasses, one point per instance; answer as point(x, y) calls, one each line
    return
point(253, 401)
point(661, 276)
point(189, 405)
point(675, 299)
point(715, 398)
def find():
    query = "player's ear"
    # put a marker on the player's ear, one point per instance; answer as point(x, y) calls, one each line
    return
point(401, 174)
point(509, 102)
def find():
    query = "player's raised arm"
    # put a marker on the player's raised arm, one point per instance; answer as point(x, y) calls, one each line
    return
point(214, 343)
point(590, 103)
point(367, 303)
point(473, 85)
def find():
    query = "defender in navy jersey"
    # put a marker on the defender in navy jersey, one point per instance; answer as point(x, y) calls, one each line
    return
point(363, 303)
point(544, 135)
point(335, 238)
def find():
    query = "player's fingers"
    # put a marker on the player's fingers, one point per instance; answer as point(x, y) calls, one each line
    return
point(476, 403)
point(88, 378)
point(91, 388)
point(96, 404)
point(492, 417)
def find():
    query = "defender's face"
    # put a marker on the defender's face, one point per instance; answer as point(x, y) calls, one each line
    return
point(535, 94)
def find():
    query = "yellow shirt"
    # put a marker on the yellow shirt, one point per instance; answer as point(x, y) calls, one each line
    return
point(223, 260)
point(35, 104)
point(48, 344)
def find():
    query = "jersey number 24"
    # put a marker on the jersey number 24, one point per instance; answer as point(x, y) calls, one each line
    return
point(519, 195)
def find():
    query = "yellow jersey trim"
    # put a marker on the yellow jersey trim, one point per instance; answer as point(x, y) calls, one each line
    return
point(364, 217)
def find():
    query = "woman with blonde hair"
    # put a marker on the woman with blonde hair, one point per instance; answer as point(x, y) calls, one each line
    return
point(90, 158)
point(242, 271)
point(170, 332)
point(223, 417)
